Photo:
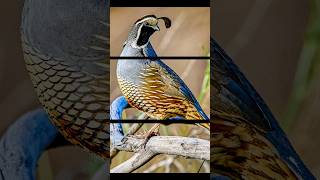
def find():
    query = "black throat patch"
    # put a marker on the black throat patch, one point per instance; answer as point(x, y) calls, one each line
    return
point(144, 36)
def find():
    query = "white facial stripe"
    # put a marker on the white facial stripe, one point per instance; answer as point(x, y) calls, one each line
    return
point(146, 19)
point(135, 42)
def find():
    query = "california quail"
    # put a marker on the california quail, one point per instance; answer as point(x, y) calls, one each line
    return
point(246, 140)
point(65, 47)
point(149, 84)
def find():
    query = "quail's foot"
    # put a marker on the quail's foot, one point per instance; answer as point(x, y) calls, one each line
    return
point(154, 131)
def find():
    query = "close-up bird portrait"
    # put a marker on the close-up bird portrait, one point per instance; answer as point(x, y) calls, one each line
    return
point(158, 88)
point(149, 82)
point(188, 35)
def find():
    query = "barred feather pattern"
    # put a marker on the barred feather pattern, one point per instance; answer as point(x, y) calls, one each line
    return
point(73, 89)
point(157, 94)
point(241, 152)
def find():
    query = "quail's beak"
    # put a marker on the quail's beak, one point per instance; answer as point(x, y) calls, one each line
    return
point(156, 28)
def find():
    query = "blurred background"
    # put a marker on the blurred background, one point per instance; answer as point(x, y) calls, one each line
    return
point(169, 163)
point(277, 46)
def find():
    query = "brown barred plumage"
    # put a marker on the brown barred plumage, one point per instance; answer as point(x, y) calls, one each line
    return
point(158, 94)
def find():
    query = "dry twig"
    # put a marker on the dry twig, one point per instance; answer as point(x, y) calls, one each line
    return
point(173, 145)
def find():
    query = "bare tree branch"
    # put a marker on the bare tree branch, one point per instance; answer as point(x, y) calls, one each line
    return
point(173, 145)
point(164, 163)
point(136, 161)
point(133, 129)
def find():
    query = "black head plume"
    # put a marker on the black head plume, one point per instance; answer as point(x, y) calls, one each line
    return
point(167, 21)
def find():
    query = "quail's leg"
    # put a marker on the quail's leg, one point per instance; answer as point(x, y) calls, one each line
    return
point(154, 131)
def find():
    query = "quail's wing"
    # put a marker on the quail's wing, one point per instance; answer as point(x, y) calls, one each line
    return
point(173, 86)
point(234, 98)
